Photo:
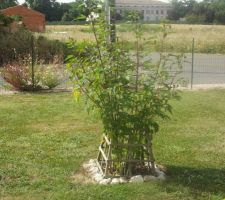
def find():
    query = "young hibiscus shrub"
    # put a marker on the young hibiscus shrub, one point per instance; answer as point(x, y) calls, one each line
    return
point(130, 92)
point(18, 74)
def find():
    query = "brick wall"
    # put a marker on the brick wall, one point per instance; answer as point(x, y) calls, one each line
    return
point(33, 20)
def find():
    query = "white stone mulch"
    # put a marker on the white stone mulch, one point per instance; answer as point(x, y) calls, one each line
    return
point(93, 171)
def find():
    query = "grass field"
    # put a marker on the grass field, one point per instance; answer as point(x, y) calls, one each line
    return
point(208, 38)
point(44, 138)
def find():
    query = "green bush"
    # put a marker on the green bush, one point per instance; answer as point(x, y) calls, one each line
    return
point(5, 20)
point(195, 19)
point(52, 75)
point(130, 93)
point(19, 43)
point(20, 75)
point(47, 50)
point(14, 43)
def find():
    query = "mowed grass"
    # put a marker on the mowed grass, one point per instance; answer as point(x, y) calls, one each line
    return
point(44, 139)
point(208, 38)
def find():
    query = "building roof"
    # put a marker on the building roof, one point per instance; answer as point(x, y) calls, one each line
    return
point(141, 2)
point(20, 10)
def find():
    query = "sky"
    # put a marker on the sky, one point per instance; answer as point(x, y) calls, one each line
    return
point(61, 1)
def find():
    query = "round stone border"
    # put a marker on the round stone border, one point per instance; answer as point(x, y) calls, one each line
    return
point(93, 171)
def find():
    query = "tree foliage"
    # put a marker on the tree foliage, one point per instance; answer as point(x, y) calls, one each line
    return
point(80, 9)
point(130, 93)
point(55, 11)
point(7, 3)
point(180, 8)
point(5, 20)
point(51, 8)
point(206, 11)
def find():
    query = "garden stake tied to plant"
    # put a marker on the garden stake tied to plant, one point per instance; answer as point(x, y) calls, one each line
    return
point(107, 164)
point(130, 94)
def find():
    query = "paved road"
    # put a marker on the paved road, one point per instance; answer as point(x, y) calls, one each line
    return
point(208, 68)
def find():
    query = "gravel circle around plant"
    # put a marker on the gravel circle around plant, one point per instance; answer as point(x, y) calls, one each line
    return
point(92, 170)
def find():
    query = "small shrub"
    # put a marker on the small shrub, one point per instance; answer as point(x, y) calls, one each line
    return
point(5, 20)
point(47, 50)
point(195, 19)
point(52, 76)
point(19, 43)
point(19, 75)
point(12, 44)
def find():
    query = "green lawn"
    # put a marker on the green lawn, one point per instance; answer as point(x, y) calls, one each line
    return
point(44, 138)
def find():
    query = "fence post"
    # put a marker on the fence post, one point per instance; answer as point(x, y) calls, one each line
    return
point(192, 62)
point(32, 61)
point(107, 14)
point(111, 19)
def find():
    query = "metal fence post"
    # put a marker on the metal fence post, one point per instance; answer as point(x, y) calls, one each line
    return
point(111, 19)
point(32, 61)
point(192, 63)
point(107, 14)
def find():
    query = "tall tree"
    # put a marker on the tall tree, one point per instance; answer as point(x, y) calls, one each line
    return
point(212, 11)
point(219, 8)
point(7, 3)
point(75, 11)
point(206, 11)
point(81, 9)
point(51, 8)
point(178, 10)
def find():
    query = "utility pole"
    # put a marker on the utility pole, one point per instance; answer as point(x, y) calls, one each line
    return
point(110, 11)
point(113, 21)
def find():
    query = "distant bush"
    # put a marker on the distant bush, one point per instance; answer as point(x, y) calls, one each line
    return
point(19, 74)
point(127, 27)
point(19, 43)
point(195, 19)
point(50, 79)
point(67, 23)
point(47, 50)
point(52, 74)
point(5, 20)
point(14, 43)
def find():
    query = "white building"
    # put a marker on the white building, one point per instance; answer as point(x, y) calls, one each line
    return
point(152, 10)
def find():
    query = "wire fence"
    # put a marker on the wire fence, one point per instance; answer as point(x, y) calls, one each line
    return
point(204, 70)
point(199, 71)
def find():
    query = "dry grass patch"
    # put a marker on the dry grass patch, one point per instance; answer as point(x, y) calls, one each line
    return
point(209, 38)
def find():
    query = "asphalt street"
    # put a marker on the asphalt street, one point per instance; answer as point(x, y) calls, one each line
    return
point(207, 68)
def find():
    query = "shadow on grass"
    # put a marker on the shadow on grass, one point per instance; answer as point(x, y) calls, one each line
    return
point(198, 179)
